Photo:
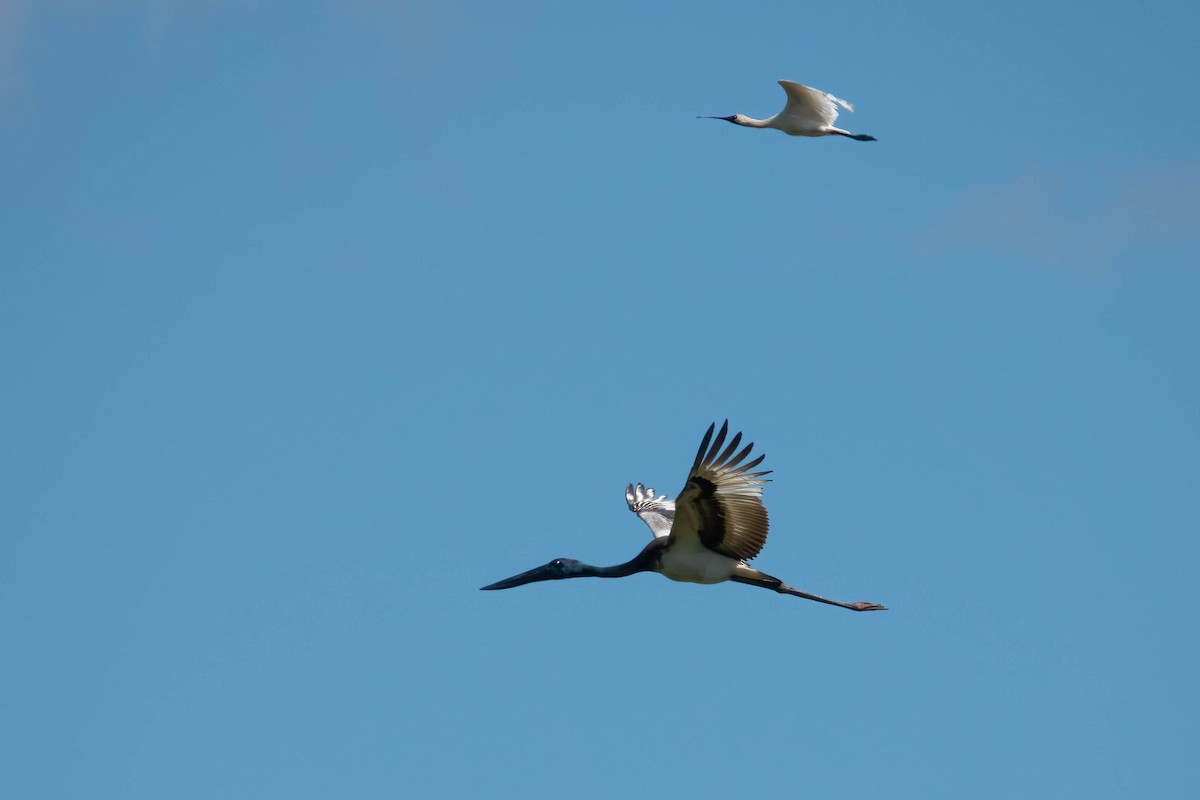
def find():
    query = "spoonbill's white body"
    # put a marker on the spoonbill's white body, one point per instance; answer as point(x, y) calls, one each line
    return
point(809, 112)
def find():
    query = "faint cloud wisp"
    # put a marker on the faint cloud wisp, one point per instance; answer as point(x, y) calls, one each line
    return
point(1092, 221)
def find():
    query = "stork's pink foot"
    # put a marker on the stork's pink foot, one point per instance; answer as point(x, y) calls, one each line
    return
point(868, 607)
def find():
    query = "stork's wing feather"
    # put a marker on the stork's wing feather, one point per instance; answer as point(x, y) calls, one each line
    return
point(721, 506)
point(809, 107)
point(658, 512)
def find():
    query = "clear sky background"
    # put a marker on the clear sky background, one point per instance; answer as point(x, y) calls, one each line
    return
point(315, 318)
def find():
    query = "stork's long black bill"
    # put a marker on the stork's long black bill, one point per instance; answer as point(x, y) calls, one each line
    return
point(561, 568)
point(542, 573)
point(727, 119)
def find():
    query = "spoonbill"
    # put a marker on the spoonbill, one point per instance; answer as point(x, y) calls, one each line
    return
point(809, 112)
point(706, 535)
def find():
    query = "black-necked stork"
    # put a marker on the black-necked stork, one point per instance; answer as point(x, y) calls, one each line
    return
point(706, 535)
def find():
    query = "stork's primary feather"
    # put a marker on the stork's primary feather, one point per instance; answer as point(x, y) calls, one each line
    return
point(721, 504)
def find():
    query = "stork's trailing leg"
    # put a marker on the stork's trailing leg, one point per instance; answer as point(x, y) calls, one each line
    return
point(753, 577)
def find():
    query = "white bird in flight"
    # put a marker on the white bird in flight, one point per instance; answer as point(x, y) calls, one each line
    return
point(809, 112)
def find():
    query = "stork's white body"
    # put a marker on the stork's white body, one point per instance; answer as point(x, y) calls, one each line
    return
point(697, 564)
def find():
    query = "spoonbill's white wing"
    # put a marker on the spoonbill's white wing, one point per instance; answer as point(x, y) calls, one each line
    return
point(808, 108)
point(721, 506)
point(656, 511)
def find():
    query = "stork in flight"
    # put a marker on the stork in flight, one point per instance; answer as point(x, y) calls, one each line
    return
point(706, 535)
point(809, 112)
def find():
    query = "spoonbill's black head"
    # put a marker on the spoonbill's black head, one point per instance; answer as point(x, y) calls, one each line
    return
point(556, 570)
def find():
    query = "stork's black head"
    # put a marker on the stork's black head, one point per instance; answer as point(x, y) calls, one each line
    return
point(732, 118)
point(556, 570)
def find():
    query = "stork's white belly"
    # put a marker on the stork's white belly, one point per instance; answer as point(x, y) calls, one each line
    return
point(697, 565)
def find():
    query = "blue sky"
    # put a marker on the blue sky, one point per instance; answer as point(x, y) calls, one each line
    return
point(314, 318)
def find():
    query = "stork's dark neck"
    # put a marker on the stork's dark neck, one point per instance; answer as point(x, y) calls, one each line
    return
point(646, 561)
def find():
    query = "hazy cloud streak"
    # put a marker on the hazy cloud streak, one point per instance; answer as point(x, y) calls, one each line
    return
point(1074, 220)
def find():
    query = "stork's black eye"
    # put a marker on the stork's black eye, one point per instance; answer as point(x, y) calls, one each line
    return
point(557, 563)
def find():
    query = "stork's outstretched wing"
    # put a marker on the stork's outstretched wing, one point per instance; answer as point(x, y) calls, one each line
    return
point(656, 511)
point(721, 506)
